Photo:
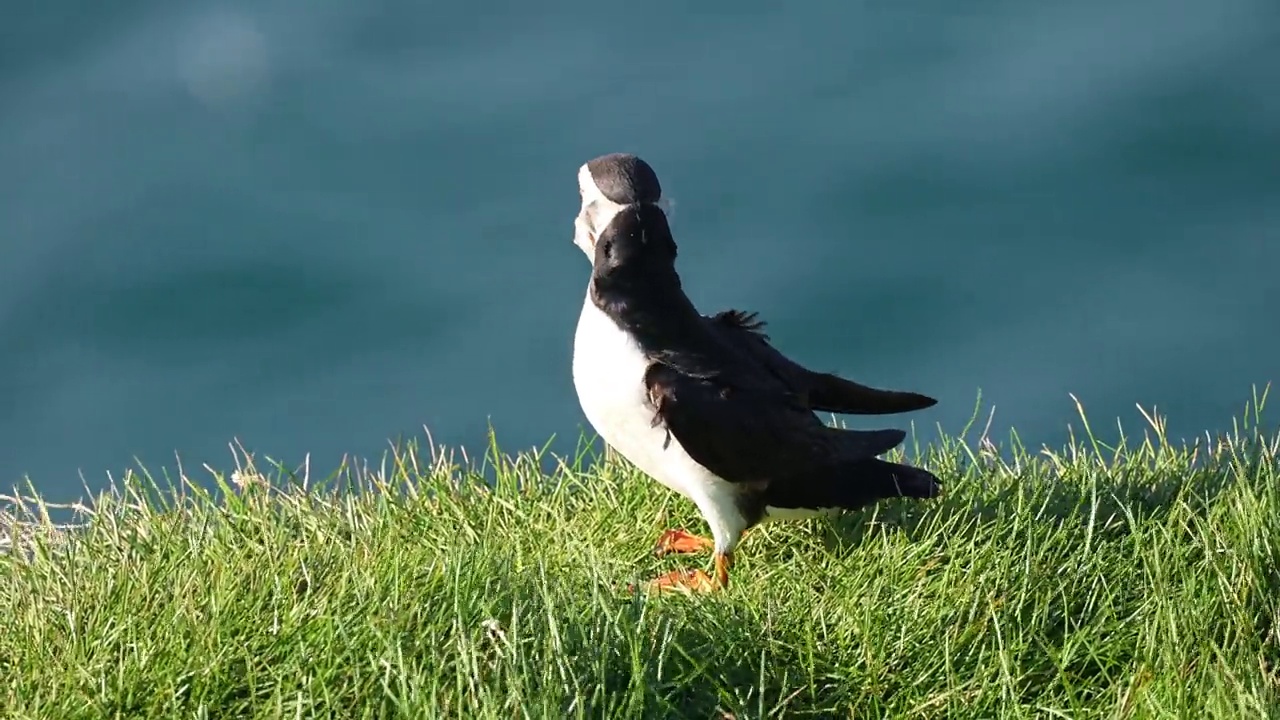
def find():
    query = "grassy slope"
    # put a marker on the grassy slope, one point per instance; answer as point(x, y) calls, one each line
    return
point(1092, 582)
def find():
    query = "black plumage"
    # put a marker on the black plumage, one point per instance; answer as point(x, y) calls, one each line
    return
point(737, 406)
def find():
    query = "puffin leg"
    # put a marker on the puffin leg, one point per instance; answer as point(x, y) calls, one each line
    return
point(724, 561)
point(681, 542)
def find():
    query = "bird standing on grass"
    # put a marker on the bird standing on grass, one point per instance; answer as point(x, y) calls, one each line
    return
point(705, 405)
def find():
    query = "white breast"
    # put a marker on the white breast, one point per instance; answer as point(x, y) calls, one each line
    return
point(608, 373)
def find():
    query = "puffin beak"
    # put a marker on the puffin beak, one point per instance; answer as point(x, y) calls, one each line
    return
point(582, 235)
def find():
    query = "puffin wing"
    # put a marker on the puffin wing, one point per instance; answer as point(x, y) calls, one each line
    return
point(823, 391)
point(753, 432)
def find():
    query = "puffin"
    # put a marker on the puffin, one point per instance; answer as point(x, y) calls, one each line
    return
point(704, 404)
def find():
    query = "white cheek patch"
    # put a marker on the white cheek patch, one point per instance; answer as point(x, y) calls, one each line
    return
point(582, 234)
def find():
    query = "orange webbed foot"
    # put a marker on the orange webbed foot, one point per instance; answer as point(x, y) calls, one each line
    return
point(685, 581)
point(680, 542)
point(693, 581)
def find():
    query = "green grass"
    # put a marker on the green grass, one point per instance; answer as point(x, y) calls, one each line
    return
point(1136, 581)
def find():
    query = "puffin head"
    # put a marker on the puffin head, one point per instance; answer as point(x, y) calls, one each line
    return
point(608, 184)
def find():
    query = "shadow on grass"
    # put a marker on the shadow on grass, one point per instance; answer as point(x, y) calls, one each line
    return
point(1086, 482)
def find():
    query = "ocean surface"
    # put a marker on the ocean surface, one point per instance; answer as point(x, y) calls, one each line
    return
point(315, 226)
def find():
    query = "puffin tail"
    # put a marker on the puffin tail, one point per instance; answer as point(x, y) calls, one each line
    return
point(872, 479)
point(889, 480)
point(858, 484)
